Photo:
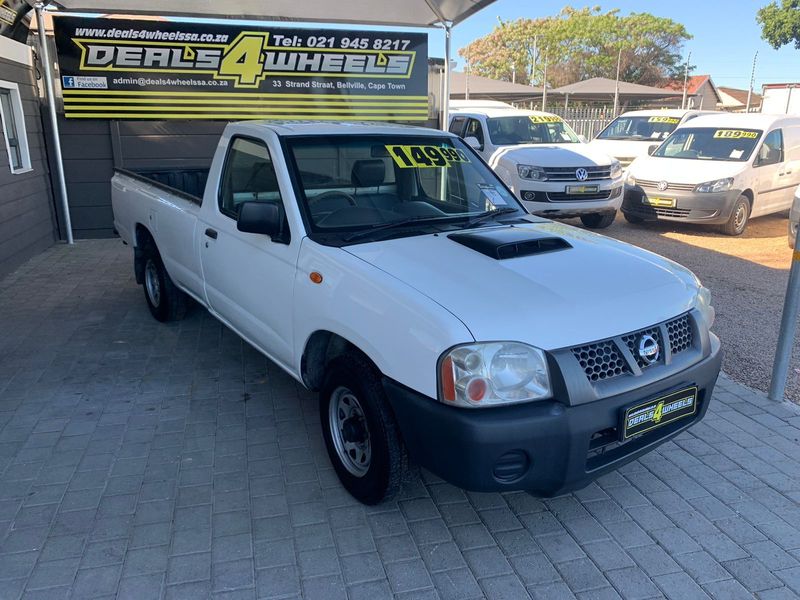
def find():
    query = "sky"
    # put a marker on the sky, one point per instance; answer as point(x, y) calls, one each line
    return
point(725, 34)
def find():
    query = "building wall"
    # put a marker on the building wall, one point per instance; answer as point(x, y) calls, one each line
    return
point(27, 220)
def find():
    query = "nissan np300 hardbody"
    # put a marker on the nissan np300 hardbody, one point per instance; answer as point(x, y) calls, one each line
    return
point(389, 269)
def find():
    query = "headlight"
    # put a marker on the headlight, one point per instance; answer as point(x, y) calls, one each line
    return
point(493, 373)
point(703, 304)
point(718, 185)
point(631, 180)
point(616, 169)
point(531, 172)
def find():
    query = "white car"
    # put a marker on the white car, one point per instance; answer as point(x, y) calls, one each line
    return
point(389, 269)
point(630, 135)
point(543, 161)
point(721, 169)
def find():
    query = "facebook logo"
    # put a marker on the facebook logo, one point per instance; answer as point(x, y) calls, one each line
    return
point(69, 82)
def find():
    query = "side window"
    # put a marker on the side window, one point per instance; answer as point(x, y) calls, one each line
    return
point(457, 125)
point(12, 122)
point(771, 151)
point(474, 129)
point(248, 176)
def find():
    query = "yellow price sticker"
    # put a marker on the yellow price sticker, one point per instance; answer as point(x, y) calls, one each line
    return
point(670, 120)
point(545, 119)
point(424, 157)
point(735, 134)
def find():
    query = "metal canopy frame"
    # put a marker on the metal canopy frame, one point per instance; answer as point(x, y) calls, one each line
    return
point(443, 14)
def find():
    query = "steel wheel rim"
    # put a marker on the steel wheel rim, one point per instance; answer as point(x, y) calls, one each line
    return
point(346, 420)
point(152, 283)
point(740, 217)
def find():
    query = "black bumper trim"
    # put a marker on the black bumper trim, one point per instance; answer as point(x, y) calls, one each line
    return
point(463, 446)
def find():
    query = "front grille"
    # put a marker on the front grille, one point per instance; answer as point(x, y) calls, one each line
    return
point(683, 187)
point(604, 360)
point(680, 334)
point(601, 360)
point(632, 339)
point(568, 173)
point(566, 197)
point(678, 213)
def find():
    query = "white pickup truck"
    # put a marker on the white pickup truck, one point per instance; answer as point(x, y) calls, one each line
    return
point(389, 268)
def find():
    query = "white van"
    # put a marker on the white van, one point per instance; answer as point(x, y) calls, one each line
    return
point(542, 160)
point(630, 134)
point(717, 169)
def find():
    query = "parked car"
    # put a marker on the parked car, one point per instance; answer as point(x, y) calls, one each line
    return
point(630, 135)
point(722, 169)
point(389, 269)
point(794, 218)
point(543, 161)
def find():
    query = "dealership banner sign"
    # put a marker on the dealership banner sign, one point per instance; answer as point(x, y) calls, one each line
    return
point(131, 69)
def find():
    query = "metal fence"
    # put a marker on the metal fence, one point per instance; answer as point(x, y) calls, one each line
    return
point(587, 121)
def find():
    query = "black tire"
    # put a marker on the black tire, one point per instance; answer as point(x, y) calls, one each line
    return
point(380, 477)
point(598, 220)
point(165, 301)
point(740, 216)
point(633, 219)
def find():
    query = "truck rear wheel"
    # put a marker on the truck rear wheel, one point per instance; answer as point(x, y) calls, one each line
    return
point(360, 431)
point(598, 220)
point(165, 301)
point(740, 215)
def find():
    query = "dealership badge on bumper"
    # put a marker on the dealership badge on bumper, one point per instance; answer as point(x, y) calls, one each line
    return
point(661, 411)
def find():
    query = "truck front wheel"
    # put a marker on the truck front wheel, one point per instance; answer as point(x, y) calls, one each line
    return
point(360, 431)
point(165, 301)
point(598, 220)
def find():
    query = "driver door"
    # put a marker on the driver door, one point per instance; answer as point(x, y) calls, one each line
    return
point(249, 278)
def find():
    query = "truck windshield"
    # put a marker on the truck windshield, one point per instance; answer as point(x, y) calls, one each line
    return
point(710, 143)
point(533, 129)
point(642, 128)
point(394, 184)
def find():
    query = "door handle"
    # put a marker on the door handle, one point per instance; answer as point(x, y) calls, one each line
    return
point(212, 233)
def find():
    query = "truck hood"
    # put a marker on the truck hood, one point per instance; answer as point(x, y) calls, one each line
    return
point(550, 155)
point(594, 290)
point(623, 149)
point(681, 170)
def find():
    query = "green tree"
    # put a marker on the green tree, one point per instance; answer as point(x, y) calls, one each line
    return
point(780, 24)
point(580, 43)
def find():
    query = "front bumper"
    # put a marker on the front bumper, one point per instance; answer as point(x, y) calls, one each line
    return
point(689, 206)
point(553, 199)
point(550, 447)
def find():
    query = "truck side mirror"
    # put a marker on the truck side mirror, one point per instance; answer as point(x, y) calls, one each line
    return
point(474, 143)
point(652, 149)
point(262, 217)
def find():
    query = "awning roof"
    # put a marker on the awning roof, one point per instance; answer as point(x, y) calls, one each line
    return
point(484, 88)
point(409, 13)
point(600, 86)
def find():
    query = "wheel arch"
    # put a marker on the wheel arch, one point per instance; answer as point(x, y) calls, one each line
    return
point(320, 349)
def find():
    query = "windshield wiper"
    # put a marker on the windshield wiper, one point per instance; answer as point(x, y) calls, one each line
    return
point(489, 215)
point(390, 225)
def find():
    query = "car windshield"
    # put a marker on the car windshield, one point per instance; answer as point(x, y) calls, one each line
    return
point(710, 143)
point(533, 129)
point(352, 185)
point(640, 128)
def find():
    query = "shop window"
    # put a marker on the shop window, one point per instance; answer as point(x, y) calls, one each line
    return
point(13, 125)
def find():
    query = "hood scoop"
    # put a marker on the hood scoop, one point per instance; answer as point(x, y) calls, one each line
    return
point(510, 242)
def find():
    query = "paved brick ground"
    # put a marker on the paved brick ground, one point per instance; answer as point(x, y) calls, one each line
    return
point(140, 460)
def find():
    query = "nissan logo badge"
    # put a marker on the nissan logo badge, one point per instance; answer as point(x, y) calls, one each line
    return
point(648, 349)
point(581, 174)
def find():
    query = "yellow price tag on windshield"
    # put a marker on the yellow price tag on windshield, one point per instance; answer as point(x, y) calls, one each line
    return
point(735, 134)
point(545, 119)
point(670, 120)
point(424, 157)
